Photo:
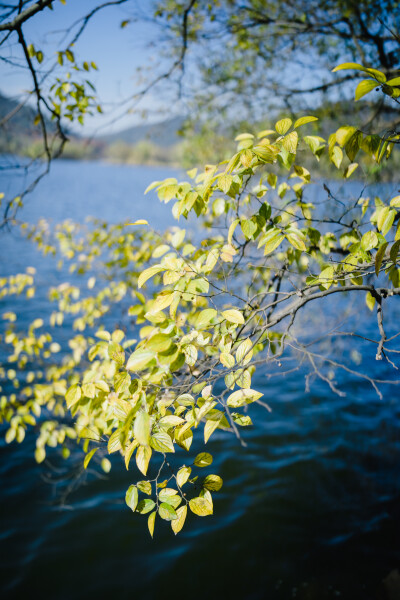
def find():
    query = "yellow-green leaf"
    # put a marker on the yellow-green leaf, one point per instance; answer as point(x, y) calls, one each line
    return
point(143, 456)
point(88, 457)
point(73, 395)
point(151, 521)
point(161, 442)
point(243, 396)
point(380, 255)
point(304, 121)
point(213, 483)
point(178, 523)
point(283, 126)
point(233, 316)
point(200, 507)
point(139, 222)
point(139, 360)
point(183, 475)
point(350, 170)
point(244, 352)
point(204, 459)
point(131, 497)
point(145, 275)
point(145, 506)
point(141, 428)
point(167, 512)
point(364, 87)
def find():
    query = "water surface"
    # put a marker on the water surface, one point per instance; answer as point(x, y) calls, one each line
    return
point(310, 509)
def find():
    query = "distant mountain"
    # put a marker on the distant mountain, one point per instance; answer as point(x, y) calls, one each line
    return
point(21, 119)
point(163, 134)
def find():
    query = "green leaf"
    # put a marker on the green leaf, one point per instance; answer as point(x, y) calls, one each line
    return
point(248, 227)
point(266, 154)
point(244, 136)
point(152, 186)
point(148, 273)
point(243, 420)
point(131, 497)
point(141, 428)
point(385, 219)
point(353, 144)
point(336, 156)
point(379, 76)
point(243, 396)
point(183, 475)
point(350, 170)
point(143, 456)
point(394, 250)
point(200, 507)
point(10, 436)
point(213, 483)
point(178, 523)
point(395, 202)
point(290, 141)
point(159, 342)
point(227, 360)
point(231, 230)
point(170, 496)
point(73, 395)
point(122, 381)
point(225, 182)
point(314, 142)
point(380, 255)
point(364, 87)
point(246, 157)
point(161, 442)
point(167, 512)
point(394, 82)
point(370, 301)
point(184, 437)
point(144, 486)
point(283, 126)
point(210, 426)
point(116, 352)
point(114, 442)
point(145, 506)
point(128, 453)
point(233, 316)
point(170, 421)
point(304, 121)
point(88, 457)
point(344, 133)
point(369, 241)
point(139, 360)
point(296, 238)
point(244, 353)
point(204, 318)
point(40, 453)
point(204, 459)
point(139, 222)
point(326, 277)
point(161, 302)
point(151, 521)
point(271, 240)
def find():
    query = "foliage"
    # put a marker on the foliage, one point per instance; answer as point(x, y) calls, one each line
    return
point(280, 53)
point(202, 312)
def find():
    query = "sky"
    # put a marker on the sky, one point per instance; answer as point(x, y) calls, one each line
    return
point(118, 53)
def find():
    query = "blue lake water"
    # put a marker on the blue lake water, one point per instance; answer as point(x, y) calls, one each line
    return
point(309, 510)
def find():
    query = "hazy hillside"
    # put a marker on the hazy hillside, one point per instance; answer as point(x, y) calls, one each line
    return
point(21, 119)
point(162, 134)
